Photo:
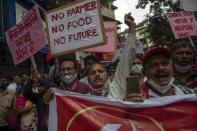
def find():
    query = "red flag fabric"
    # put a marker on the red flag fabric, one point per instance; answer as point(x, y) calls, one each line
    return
point(78, 112)
point(48, 57)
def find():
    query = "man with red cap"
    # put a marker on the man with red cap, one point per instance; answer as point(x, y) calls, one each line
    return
point(157, 67)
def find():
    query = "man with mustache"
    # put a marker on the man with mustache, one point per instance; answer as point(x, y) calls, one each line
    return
point(98, 80)
point(182, 55)
point(157, 67)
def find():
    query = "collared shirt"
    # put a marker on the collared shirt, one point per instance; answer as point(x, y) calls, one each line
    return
point(7, 102)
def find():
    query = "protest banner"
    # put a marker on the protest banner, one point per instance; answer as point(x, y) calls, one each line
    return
point(27, 37)
point(188, 5)
point(78, 112)
point(183, 24)
point(75, 26)
point(111, 38)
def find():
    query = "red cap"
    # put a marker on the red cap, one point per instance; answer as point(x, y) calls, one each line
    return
point(155, 50)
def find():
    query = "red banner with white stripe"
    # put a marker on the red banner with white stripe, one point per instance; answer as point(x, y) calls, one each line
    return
point(77, 112)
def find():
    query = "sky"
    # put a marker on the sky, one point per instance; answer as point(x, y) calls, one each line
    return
point(126, 6)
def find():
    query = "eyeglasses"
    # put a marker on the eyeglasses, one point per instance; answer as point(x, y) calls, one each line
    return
point(66, 69)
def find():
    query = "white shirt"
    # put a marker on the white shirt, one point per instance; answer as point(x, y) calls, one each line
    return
point(117, 88)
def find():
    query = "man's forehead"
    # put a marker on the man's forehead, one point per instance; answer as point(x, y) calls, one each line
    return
point(67, 63)
point(96, 67)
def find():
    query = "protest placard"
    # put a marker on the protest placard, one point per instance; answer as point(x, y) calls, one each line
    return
point(111, 37)
point(27, 37)
point(183, 24)
point(75, 26)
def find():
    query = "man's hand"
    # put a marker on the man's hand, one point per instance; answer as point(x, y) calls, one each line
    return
point(48, 96)
point(133, 97)
point(129, 20)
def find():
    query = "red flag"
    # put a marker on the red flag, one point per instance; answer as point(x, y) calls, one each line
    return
point(76, 112)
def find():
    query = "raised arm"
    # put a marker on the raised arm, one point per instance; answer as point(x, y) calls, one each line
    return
point(117, 88)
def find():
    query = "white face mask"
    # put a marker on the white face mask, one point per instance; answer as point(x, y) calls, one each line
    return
point(69, 79)
point(161, 89)
point(136, 69)
point(182, 69)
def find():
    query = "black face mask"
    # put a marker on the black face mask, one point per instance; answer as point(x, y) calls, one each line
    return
point(3, 85)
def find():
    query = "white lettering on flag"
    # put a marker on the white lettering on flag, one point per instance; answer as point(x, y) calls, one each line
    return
point(111, 127)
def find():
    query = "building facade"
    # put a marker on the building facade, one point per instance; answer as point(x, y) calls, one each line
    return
point(142, 36)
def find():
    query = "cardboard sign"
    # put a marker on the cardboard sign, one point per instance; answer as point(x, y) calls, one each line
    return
point(183, 24)
point(189, 5)
point(75, 27)
point(111, 37)
point(27, 37)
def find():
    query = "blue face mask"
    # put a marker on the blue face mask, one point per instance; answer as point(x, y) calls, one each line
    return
point(69, 79)
point(136, 69)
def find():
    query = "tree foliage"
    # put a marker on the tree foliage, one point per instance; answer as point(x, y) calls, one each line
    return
point(158, 25)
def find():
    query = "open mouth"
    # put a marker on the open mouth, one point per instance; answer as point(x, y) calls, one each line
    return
point(162, 76)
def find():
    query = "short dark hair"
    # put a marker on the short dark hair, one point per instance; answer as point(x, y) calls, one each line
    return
point(68, 59)
point(91, 57)
point(180, 44)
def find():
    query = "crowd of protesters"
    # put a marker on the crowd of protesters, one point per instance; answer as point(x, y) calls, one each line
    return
point(161, 71)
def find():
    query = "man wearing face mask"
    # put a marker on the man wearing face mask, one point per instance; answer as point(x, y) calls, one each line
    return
point(182, 62)
point(157, 67)
point(69, 82)
point(136, 68)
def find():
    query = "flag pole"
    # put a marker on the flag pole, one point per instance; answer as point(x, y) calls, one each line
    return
point(191, 41)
